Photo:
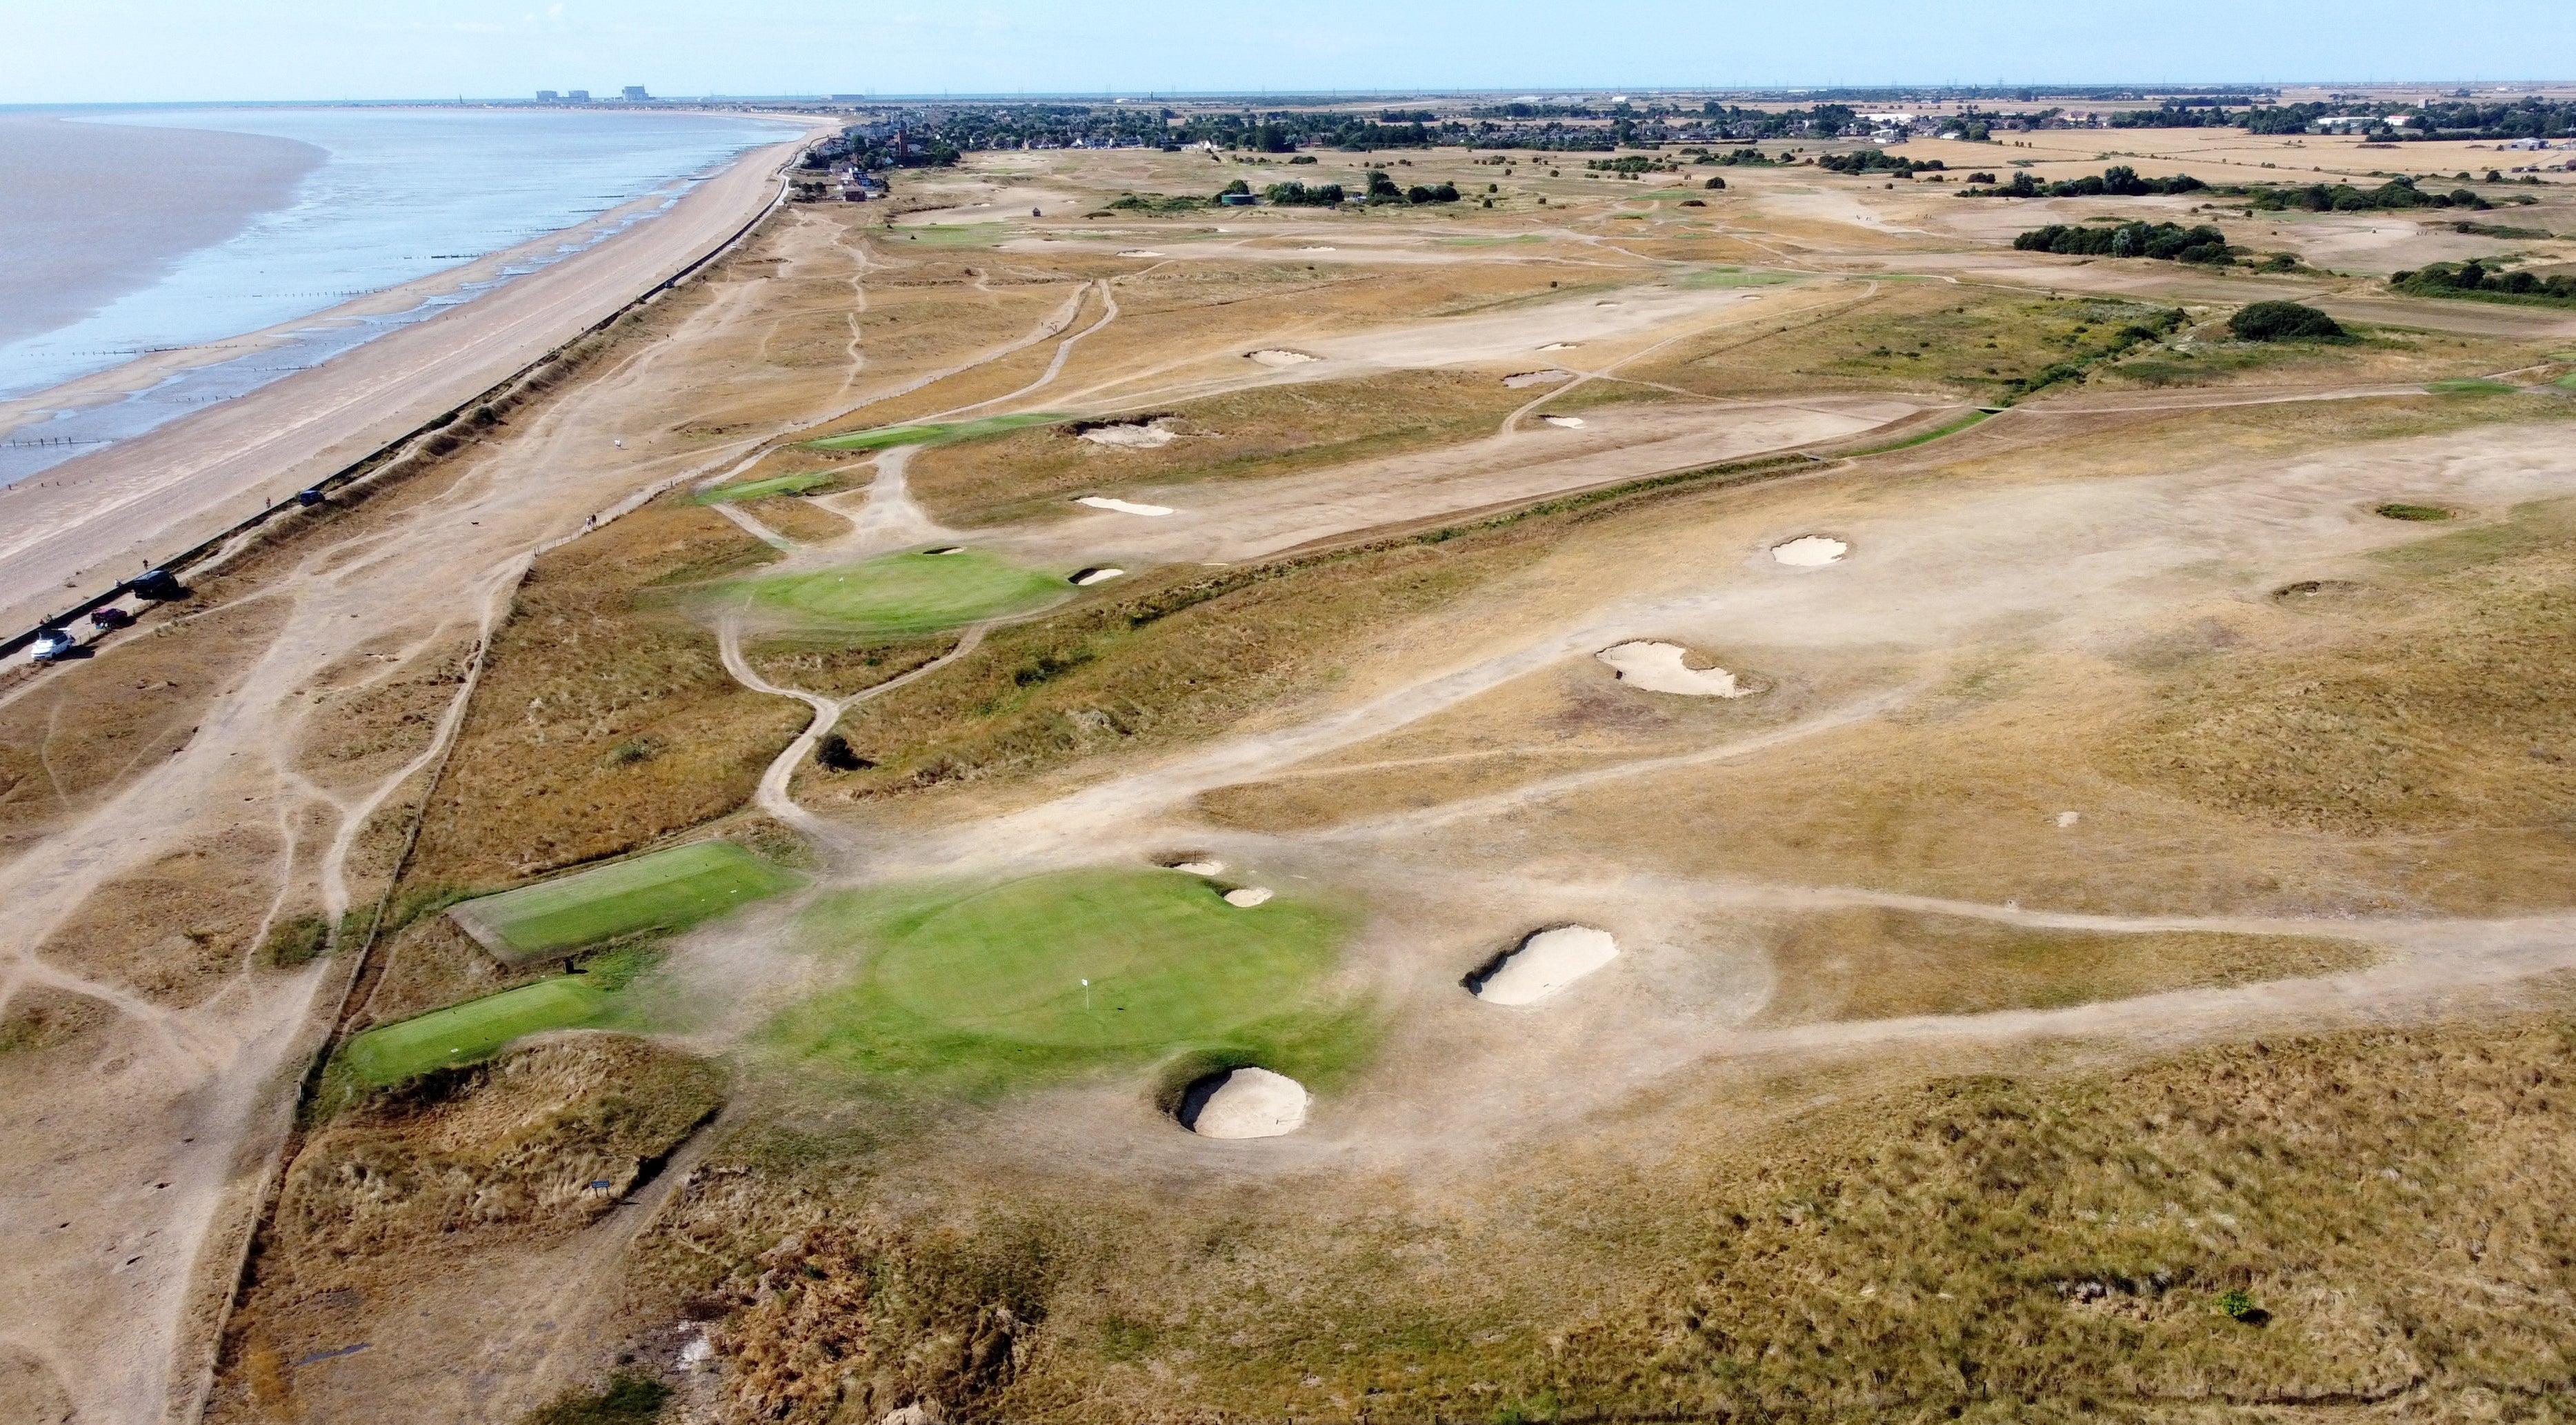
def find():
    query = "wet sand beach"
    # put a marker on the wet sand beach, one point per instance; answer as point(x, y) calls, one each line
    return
point(99, 210)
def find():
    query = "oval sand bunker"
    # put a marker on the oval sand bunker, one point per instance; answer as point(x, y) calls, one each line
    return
point(1810, 551)
point(1244, 1103)
point(1246, 897)
point(1544, 964)
point(1088, 577)
point(1279, 356)
point(1564, 422)
point(1658, 668)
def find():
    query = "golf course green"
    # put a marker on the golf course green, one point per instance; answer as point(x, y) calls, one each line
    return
point(662, 890)
point(987, 984)
point(899, 593)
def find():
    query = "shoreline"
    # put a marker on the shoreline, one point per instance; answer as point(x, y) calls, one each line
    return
point(74, 532)
point(146, 370)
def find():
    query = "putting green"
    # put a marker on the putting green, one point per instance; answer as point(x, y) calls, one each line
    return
point(664, 890)
point(988, 983)
point(901, 593)
point(941, 433)
point(472, 1031)
point(774, 485)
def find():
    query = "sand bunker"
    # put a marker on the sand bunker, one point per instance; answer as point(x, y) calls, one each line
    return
point(1658, 668)
point(1280, 356)
point(1561, 346)
point(2069, 818)
point(1089, 577)
point(1203, 866)
point(1246, 897)
point(1521, 380)
point(1315, 249)
point(1544, 964)
point(1810, 551)
point(1244, 1103)
point(1103, 502)
point(1564, 422)
point(947, 549)
point(1139, 252)
point(2316, 589)
point(1129, 437)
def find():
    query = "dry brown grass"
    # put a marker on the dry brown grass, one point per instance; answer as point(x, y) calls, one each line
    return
point(406, 1192)
point(1269, 430)
point(2443, 713)
point(376, 711)
point(1183, 655)
point(88, 729)
point(2035, 1244)
point(838, 670)
point(605, 719)
point(177, 930)
point(1884, 964)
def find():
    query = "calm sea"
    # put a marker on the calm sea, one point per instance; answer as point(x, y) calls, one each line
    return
point(398, 195)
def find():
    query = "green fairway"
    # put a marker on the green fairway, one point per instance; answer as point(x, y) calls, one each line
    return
point(664, 890)
point(2567, 382)
point(985, 985)
point(774, 485)
point(2471, 386)
point(936, 433)
point(1736, 277)
point(900, 593)
point(474, 1030)
point(1908, 443)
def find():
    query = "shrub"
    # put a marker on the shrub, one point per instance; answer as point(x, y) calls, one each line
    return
point(2239, 1306)
point(1714, 183)
point(629, 1400)
point(2283, 321)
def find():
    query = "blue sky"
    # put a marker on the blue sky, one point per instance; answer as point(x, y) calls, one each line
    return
point(76, 51)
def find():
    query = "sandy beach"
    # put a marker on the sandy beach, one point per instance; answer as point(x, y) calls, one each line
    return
point(89, 522)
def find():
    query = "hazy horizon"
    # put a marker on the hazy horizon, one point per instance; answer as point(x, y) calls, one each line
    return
point(159, 51)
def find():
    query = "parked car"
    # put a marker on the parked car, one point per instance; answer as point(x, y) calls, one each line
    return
point(53, 645)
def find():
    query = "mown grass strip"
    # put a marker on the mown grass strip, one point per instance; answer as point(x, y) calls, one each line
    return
point(2471, 386)
point(1736, 277)
point(935, 433)
point(473, 1031)
point(664, 890)
point(1923, 438)
point(796, 483)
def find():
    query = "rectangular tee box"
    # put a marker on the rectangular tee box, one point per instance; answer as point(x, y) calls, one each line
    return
point(661, 890)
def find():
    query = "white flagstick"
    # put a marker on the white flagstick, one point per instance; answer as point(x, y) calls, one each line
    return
point(1086, 996)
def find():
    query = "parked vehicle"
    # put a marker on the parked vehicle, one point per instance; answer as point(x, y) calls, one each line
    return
point(112, 616)
point(54, 645)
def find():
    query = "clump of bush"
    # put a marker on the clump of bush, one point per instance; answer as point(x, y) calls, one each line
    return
point(2476, 278)
point(2284, 321)
point(2166, 242)
point(295, 941)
